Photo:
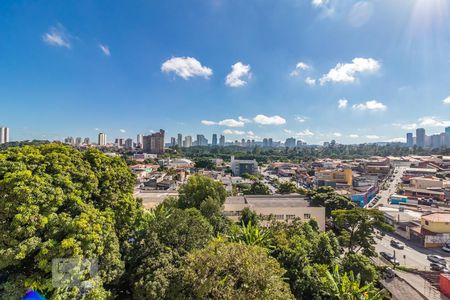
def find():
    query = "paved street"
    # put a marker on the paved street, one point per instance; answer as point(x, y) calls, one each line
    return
point(391, 187)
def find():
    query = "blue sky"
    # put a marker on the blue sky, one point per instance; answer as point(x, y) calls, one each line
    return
point(354, 71)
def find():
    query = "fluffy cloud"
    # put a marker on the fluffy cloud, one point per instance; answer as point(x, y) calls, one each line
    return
point(300, 119)
point(342, 103)
point(319, 3)
point(105, 49)
point(305, 132)
point(57, 36)
point(310, 81)
point(353, 136)
point(233, 132)
point(299, 67)
point(347, 72)
point(238, 75)
point(266, 120)
point(226, 122)
point(186, 67)
point(446, 100)
point(406, 126)
point(373, 137)
point(372, 105)
point(433, 122)
point(245, 120)
point(287, 131)
point(337, 134)
point(122, 130)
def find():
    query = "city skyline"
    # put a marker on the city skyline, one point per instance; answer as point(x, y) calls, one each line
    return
point(279, 73)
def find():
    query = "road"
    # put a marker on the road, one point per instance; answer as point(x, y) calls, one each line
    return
point(391, 187)
point(413, 255)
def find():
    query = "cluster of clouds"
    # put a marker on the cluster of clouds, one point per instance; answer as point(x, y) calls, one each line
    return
point(58, 36)
point(241, 121)
point(428, 121)
point(188, 67)
point(341, 73)
point(371, 105)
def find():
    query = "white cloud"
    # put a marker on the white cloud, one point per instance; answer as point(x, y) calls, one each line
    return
point(186, 67)
point(105, 49)
point(305, 132)
point(353, 136)
point(310, 81)
point(122, 130)
point(226, 122)
point(57, 36)
point(300, 119)
point(342, 103)
point(266, 120)
point(433, 122)
point(238, 75)
point(372, 105)
point(337, 134)
point(446, 100)
point(287, 131)
point(233, 132)
point(301, 66)
point(347, 72)
point(245, 120)
point(372, 137)
point(319, 3)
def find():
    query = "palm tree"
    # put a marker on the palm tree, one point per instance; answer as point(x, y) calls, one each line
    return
point(251, 235)
point(348, 287)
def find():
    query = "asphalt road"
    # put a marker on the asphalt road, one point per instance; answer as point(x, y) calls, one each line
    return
point(413, 255)
point(391, 187)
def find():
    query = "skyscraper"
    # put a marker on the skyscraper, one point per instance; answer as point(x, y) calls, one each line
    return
point(87, 141)
point(129, 143)
point(214, 139)
point(4, 135)
point(173, 142)
point(78, 141)
point(154, 143)
point(420, 137)
point(102, 139)
point(201, 140)
point(290, 143)
point(188, 141)
point(409, 139)
point(139, 140)
point(222, 141)
point(180, 140)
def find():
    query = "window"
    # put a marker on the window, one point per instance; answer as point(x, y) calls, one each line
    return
point(290, 217)
point(279, 217)
point(426, 223)
point(307, 216)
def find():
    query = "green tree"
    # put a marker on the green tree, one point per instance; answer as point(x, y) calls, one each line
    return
point(356, 229)
point(257, 188)
point(198, 189)
point(248, 216)
point(287, 188)
point(231, 271)
point(360, 265)
point(251, 235)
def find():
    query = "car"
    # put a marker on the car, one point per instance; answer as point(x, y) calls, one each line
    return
point(437, 267)
point(389, 257)
point(397, 244)
point(437, 259)
point(389, 273)
point(446, 248)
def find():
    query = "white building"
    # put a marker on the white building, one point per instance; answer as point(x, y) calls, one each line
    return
point(4, 135)
point(102, 139)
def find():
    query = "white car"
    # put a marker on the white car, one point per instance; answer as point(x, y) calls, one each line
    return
point(437, 259)
point(446, 248)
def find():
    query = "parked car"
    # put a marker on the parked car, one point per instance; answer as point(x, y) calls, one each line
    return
point(397, 244)
point(437, 259)
point(446, 248)
point(389, 257)
point(437, 267)
point(389, 273)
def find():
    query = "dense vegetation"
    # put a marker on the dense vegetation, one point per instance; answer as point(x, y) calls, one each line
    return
point(58, 202)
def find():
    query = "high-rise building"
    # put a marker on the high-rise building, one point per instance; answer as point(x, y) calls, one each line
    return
point(265, 142)
point(4, 135)
point(87, 141)
point(290, 143)
point(69, 140)
point(154, 143)
point(139, 140)
point(420, 137)
point(102, 139)
point(180, 140)
point(447, 129)
point(173, 142)
point(78, 141)
point(187, 141)
point(214, 139)
point(201, 140)
point(409, 139)
point(222, 141)
point(270, 143)
point(120, 142)
point(129, 143)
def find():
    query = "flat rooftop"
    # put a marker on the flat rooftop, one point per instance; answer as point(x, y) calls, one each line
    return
point(269, 200)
